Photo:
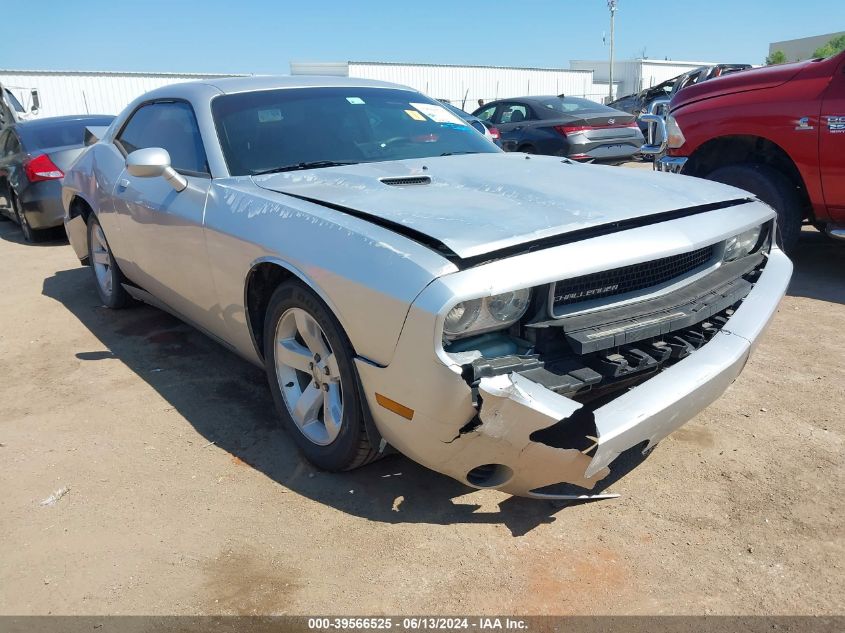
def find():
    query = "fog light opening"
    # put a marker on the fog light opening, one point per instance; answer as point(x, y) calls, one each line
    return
point(489, 475)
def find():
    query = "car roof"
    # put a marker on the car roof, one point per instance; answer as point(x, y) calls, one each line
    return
point(51, 120)
point(232, 85)
point(532, 99)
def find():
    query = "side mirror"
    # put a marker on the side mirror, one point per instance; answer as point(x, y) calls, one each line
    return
point(153, 162)
point(36, 101)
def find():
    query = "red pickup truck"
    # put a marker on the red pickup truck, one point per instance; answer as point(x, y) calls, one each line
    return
point(778, 132)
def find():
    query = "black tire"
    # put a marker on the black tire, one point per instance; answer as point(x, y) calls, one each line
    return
point(118, 297)
point(773, 188)
point(30, 235)
point(351, 448)
point(527, 149)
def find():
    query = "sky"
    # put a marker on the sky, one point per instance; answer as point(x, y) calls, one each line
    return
point(263, 36)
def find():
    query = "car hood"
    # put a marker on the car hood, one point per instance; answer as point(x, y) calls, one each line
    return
point(740, 81)
point(477, 204)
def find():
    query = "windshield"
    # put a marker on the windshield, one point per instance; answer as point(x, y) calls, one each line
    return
point(41, 134)
point(298, 128)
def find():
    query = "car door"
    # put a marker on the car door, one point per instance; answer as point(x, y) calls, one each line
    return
point(832, 145)
point(163, 227)
point(510, 119)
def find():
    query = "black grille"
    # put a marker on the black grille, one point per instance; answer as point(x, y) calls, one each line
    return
point(629, 278)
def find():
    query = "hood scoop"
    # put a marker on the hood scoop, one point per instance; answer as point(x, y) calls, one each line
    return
point(406, 181)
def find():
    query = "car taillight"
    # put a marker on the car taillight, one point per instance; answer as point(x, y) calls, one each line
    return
point(494, 133)
point(42, 168)
point(566, 130)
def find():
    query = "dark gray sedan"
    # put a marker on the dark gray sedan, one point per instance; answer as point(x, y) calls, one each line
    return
point(34, 156)
point(564, 126)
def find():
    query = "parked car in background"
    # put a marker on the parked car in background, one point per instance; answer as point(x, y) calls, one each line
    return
point(512, 321)
point(33, 158)
point(11, 109)
point(640, 102)
point(563, 126)
point(778, 132)
point(484, 127)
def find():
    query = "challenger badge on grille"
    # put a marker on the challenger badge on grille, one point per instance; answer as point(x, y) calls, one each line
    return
point(629, 278)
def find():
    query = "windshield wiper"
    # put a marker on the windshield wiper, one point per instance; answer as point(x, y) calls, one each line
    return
point(316, 164)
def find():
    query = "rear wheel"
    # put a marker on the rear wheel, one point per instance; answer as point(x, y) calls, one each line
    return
point(107, 274)
point(29, 234)
point(309, 364)
point(773, 188)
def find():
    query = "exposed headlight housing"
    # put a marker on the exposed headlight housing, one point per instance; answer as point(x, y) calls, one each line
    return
point(483, 315)
point(674, 136)
point(742, 244)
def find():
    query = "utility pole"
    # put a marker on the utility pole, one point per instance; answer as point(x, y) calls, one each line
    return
point(611, 4)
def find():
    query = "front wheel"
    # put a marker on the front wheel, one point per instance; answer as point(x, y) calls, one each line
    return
point(309, 364)
point(107, 275)
point(773, 188)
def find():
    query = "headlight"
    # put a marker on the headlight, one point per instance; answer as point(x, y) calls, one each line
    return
point(741, 245)
point(482, 315)
point(674, 136)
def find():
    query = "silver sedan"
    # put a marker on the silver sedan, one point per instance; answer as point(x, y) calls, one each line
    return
point(513, 321)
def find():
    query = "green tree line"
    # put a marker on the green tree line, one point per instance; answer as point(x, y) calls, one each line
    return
point(834, 46)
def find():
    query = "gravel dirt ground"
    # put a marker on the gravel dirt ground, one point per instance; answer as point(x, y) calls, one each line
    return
point(183, 498)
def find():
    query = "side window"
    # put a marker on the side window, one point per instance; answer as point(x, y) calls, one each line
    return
point(169, 125)
point(487, 113)
point(513, 113)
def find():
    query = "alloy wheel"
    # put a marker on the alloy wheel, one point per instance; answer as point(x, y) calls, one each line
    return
point(101, 260)
point(309, 377)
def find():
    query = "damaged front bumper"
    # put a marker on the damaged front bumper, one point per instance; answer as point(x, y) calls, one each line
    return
point(650, 411)
point(505, 444)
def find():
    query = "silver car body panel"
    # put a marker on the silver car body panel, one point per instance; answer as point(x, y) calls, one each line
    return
point(194, 253)
point(481, 203)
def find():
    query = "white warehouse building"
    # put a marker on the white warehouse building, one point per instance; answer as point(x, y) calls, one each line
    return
point(463, 86)
point(633, 75)
point(83, 92)
point(105, 92)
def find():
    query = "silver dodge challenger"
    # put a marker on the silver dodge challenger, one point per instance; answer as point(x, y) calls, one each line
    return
point(514, 321)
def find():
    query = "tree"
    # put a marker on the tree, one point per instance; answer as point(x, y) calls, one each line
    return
point(834, 46)
point(777, 57)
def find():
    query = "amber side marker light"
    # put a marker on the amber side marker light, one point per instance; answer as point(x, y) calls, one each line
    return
point(392, 405)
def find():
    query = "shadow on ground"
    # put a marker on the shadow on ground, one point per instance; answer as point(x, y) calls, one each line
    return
point(11, 232)
point(227, 400)
point(819, 268)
